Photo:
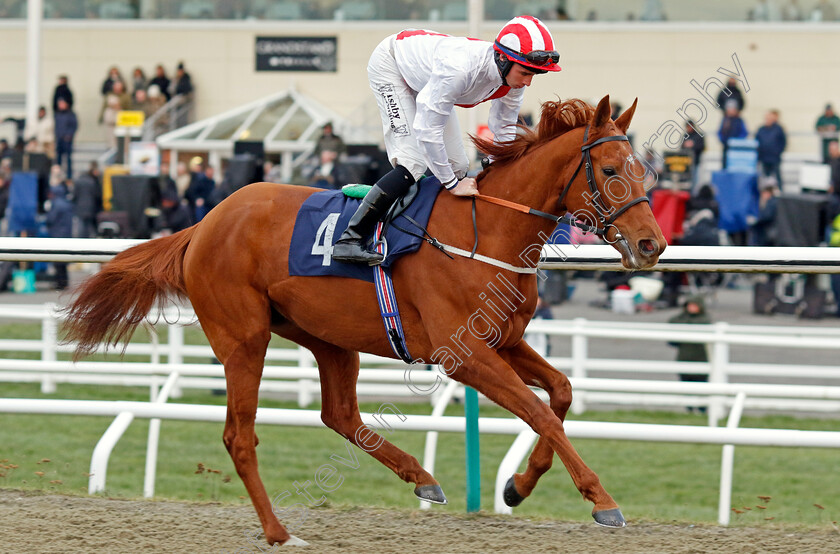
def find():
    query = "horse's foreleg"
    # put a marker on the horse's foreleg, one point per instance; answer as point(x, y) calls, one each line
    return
point(494, 378)
point(535, 371)
point(339, 370)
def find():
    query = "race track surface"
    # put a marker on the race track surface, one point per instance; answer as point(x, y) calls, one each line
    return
point(45, 523)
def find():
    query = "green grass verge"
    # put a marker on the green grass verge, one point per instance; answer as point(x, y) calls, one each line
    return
point(651, 481)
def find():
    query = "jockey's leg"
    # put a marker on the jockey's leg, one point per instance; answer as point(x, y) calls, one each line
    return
point(396, 103)
point(351, 247)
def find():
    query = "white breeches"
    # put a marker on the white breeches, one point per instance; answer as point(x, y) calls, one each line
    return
point(397, 107)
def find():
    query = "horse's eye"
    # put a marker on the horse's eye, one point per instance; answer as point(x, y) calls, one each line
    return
point(608, 171)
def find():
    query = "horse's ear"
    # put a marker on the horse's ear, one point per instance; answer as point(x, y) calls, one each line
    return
point(602, 113)
point(623, 121)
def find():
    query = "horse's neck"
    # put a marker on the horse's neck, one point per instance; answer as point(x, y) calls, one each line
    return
point(537, 178)
point(535, 181)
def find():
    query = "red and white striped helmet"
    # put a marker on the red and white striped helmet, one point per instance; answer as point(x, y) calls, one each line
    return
point(527, 41)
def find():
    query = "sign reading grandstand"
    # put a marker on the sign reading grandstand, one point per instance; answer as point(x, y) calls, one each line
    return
point(296, 53)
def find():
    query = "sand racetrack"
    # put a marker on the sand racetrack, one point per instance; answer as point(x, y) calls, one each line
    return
point(38, 523)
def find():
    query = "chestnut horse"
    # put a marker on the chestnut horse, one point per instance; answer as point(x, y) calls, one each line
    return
point(233, 267)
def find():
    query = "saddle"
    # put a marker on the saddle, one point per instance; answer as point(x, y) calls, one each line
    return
point(324, 214)
point(397, 208)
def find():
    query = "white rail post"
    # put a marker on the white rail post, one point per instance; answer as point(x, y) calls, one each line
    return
point(305, 359)
point(102, 451)
point(717, 372)
point(580, 347)
point(155, 340)
point(176, 351)
point(49, 340)
point(727, 461)
point(430, 450)
point(154, 435)
point(34, 21)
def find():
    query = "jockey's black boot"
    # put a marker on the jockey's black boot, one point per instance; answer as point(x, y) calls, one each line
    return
point(350, 247)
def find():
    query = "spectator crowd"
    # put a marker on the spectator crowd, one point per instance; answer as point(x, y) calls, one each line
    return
point(54, 134)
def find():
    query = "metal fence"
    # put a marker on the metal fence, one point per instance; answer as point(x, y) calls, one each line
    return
point(165, 378)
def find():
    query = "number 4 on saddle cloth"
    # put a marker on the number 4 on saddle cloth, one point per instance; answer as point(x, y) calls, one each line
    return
point(324, 215)
point(320, 222)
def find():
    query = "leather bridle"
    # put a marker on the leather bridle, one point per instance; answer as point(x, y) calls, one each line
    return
point(602, 211)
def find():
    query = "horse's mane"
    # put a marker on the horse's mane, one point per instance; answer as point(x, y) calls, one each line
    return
point(556, 118)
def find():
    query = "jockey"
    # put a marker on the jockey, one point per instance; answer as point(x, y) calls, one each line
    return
point(418, 77)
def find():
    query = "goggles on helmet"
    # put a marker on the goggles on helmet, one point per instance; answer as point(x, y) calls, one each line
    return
point(538, 58)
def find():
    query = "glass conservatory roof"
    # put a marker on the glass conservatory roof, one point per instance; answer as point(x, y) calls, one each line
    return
point(284, 121)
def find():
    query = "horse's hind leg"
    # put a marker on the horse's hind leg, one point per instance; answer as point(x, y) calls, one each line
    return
point(339, 370)
point(494, 377)
point(535, 371)
point(239, 336)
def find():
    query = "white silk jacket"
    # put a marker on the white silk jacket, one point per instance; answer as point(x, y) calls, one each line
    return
point(448, 71)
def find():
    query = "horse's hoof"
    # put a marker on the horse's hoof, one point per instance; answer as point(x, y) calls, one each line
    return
point(511, 495)
point(609, 518)
point(295, 541)
point(431, 493)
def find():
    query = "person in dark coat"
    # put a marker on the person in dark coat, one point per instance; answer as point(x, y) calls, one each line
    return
point(162, 81)
point(329, 141)
point(834, 164)
point(832, 208)
point(114, 76)
point(700, 228)
point(62, 91)
point(731, 127)
point(694, 142)
point(703, 199)
point(66, 126)
point(182, 89)
point(176, 215)
point(183, 82)
point(87, 200)
point(834, 241)
point(731, 92)
point(330, 173)
point(763, 229)
point(60, 225)
point(5, 185)
point(827, 126)
point(693, 312)
point(200, 191)
point(772, 141)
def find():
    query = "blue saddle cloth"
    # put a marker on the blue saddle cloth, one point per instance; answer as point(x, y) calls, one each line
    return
point(324, 216)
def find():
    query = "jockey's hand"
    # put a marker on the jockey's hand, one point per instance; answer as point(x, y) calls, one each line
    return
point(465, 187)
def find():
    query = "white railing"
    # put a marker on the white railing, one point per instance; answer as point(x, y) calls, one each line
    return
point(564, 256)
point(303, 377)
point(168, 117)
point(717, 394)
point(729, 436)
point(718, 338)
point(378, 375)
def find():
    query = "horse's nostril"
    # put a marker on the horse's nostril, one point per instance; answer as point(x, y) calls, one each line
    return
point(648, 247)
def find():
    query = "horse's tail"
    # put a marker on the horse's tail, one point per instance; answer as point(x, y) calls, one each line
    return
point(112, 303)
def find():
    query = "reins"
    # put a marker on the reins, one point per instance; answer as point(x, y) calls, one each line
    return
point(567, 219)
point(605, 218)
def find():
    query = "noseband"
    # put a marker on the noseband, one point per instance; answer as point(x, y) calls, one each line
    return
point(605, 219)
